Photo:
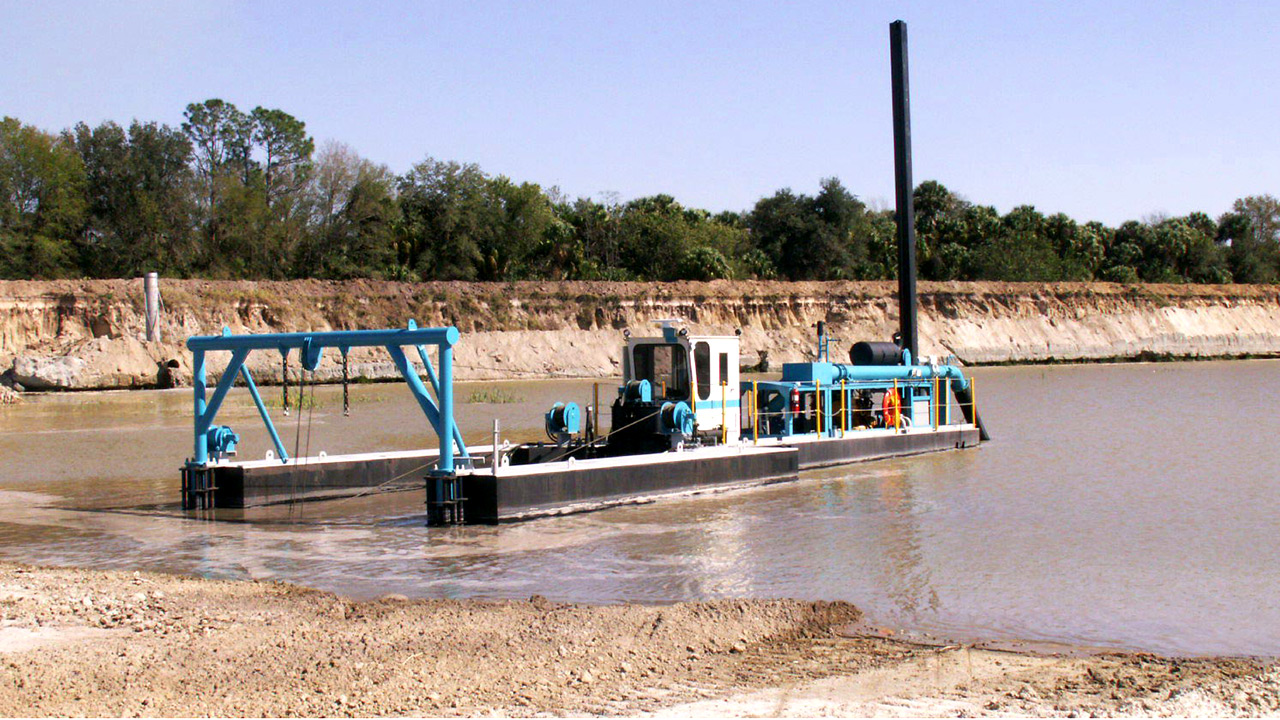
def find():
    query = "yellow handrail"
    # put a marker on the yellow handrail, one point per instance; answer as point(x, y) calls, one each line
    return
point(897, 419)
point(724, 412)
point(817, 404)
point(755, 413)
point(844, 408)
point(935, 403)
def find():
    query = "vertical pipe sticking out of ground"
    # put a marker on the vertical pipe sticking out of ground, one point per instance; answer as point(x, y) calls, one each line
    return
point(905, 211)
point(151, 288)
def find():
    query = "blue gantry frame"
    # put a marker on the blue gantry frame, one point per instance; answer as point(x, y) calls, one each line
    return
point(310, 346)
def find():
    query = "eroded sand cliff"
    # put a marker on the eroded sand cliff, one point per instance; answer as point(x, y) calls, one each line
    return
point(89, 334)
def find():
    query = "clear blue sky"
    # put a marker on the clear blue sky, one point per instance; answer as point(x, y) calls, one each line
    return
point(1102, 110)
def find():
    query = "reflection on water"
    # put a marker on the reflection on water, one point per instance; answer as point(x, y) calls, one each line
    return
point(1119, 505)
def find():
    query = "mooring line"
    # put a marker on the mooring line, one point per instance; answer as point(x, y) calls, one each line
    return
point(379, 486)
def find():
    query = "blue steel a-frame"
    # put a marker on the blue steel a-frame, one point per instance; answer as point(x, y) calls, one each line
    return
point(310, 346)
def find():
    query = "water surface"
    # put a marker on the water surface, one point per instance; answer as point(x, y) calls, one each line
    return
point(1129, 505)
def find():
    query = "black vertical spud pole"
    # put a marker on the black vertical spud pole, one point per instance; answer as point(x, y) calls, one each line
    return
point(906, 212)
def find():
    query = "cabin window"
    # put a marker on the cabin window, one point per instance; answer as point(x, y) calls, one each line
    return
point(724, 368)
point(666, 367)
point(702, 369)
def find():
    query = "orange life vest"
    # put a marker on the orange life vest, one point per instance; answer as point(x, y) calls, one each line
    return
point(892, 407)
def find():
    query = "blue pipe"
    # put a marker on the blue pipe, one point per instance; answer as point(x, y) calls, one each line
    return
point(832, 373)
point(901, 372)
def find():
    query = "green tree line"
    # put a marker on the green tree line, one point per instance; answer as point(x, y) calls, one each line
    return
point(234, 194)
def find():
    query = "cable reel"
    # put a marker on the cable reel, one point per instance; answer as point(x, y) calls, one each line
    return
point(638, 391)
point(563, 421)
point(676, 418)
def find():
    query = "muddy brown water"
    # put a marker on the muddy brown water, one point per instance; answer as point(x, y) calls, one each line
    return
point(1131, 506)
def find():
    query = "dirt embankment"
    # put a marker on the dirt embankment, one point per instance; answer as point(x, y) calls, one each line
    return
point(81, 642)
point(89, 334)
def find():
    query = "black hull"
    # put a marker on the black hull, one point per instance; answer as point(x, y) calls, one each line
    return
point(523, 492)
point(588, 486)
point(851, 449)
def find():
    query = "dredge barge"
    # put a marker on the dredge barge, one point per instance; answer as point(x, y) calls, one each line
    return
point(683, 419)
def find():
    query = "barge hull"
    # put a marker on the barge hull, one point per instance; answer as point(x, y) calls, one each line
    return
point(254, 484)
point(524, 492)
point(841, 451)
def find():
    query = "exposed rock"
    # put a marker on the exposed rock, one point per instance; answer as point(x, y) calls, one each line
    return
point(90, 364)
point(48, 373)
point(9, 396)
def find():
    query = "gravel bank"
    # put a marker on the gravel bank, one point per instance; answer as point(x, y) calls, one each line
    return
point(82, 642)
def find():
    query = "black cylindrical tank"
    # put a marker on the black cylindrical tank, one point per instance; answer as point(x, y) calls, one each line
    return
point(875, 353)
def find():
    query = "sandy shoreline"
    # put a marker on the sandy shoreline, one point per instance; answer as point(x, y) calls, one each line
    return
point(83, 642)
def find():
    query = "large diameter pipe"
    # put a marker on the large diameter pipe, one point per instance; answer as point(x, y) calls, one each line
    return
point(964, 396)
point(898, 372)
point(875, 353)
point(905, 210)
